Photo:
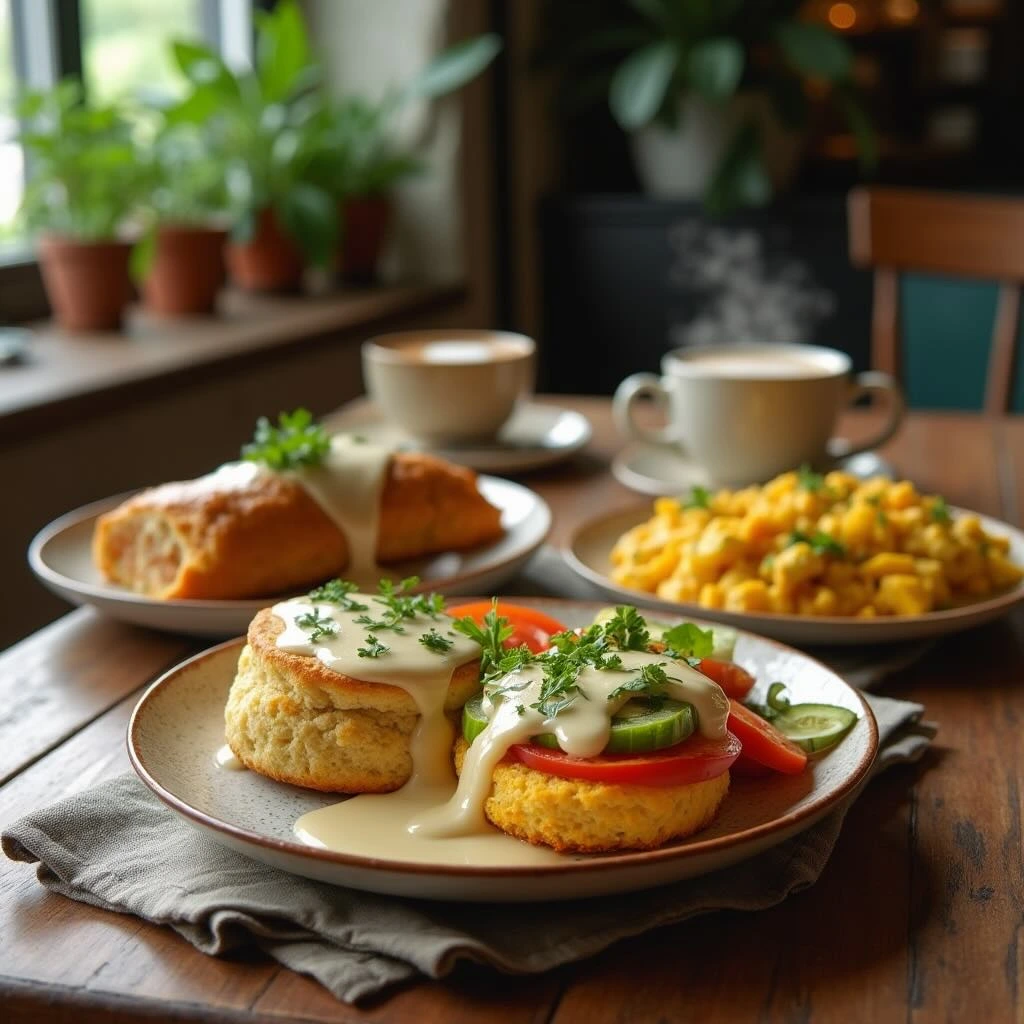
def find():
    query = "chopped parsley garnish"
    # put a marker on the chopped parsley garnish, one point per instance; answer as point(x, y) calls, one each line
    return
point(808, 480)
point(700, 497)
point(373, 649)
point(689, 641)
point(491, 637)
point(295, 441)
point(940, 511)
point(520, 710)
point(318, 625)
point(628, 628)
point(651, 681)
point(337, 592)
point(433, 641)
point(820, 543)
point(399, 606)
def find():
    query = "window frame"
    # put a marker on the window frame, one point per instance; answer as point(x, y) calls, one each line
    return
point(47, 41)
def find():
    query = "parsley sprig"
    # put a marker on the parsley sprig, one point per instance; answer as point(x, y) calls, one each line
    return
point(318, 625)
point(433, 641)
point(295, 441)
point(399, 606)
point(700, 497)
point(808, 480)
point(337, 592)
point(491, 637)
point(688, 641)
point(940, 511)
point(820, 543)
point(373, 649)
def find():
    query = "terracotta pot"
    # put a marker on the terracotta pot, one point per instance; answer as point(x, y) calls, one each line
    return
point(364, 225)
point(88, 283)
point(187, 271)
point(269, 262)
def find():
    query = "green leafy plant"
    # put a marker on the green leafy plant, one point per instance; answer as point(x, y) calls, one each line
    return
point(264, 126)
point(357, 154)
point(86, 178)
point(646, 55)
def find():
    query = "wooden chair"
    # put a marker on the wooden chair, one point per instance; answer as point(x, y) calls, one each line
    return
point(895, 230)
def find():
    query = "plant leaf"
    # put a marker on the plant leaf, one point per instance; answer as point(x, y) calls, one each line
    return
point(814, 50)
point(740, 179)
point(715, 67)
point(454, 67)
point(640, 83)
point(282, 51)
point(861, 127)
point(310, 216)
point(143, 253)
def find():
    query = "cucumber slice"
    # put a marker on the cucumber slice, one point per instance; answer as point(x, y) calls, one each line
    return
point(636, 727)
point(723, 637)
point(814, 727)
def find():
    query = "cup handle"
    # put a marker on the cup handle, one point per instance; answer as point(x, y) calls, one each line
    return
point(870, 383)
point(623, 407)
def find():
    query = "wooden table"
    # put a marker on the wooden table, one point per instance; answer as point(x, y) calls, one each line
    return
point(919, 916)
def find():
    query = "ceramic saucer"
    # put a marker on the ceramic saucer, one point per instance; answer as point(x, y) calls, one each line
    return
point(658, 469)
point(536, 436)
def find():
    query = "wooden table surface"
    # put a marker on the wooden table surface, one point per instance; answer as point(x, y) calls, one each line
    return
point(919, 915)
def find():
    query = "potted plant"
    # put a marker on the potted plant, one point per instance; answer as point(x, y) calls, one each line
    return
point(85, 183)
point(714, 95)
point(180, 260)
point(359, 162)
point(262, 125)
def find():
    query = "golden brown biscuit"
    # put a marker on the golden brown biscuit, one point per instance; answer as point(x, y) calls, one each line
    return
point(264, 534)
point(577, 816)
point(292, 718)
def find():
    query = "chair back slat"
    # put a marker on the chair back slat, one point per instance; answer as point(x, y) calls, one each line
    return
point(894, 230)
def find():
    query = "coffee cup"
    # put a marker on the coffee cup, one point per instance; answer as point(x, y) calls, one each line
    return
point(747, 412)
point(448, 387)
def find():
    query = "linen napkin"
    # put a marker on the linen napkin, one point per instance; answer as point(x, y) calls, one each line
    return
point(117, 847)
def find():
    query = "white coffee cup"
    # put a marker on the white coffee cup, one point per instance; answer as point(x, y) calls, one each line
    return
point(449, 386)
point(748, 412)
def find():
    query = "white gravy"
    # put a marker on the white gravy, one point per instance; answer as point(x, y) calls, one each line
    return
point(431, 819)
point(225, 758)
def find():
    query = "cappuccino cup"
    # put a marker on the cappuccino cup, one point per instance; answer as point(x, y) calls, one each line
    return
point(745, 413)
point(448, 387)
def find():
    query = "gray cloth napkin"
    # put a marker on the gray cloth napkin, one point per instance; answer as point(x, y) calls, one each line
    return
point(117, 847)
point(548, 575)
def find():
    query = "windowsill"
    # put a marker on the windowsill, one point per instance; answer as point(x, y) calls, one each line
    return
point(65, 375)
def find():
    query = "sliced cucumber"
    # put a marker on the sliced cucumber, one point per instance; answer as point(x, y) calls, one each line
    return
point(723, 638)
point(814, 727)
point(636, 727)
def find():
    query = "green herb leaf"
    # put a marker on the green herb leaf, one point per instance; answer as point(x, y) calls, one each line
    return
point(641, 82)
point(491, 637)
point(628, 629)
point(295, 441)
point(775, 704)
point(652, 681)
point(689, 641)
point(820, 543)
point(318, 625)
point(337, 592)
point(373, 649)
point(808, 480)
point(700, 497)
point(400, 606)
point(433, 641)
point(940, 511)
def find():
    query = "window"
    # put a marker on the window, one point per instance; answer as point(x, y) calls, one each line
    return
point(118, 47)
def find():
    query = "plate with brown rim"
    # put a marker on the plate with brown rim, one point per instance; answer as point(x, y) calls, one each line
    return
point(589, 549)
point(178, 727)
point(61, 557)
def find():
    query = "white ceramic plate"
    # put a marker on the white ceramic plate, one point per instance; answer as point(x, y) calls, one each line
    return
point(61, 556)
point(657, 469)
point(178, 727)
point(590, 546)
point(537, 435)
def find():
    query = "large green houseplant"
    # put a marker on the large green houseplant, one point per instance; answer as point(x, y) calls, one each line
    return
point(85, 185)
point(714, 93)
point(263, 126)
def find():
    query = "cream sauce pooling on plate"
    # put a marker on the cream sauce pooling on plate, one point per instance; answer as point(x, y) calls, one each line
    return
point(347, 485)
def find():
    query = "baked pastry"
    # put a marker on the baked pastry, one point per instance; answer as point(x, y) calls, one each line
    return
point(291, 717)
point(247, 530)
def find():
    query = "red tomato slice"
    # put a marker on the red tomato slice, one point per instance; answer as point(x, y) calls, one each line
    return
point(532, 627)
point(737, 682)
point(763, 743)
point(696, 759)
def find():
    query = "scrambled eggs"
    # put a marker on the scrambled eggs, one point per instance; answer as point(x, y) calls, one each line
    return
point(808, 544)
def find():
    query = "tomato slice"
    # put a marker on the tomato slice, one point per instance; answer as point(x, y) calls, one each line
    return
point(737, 682)
point(696, 759)
point(763, 743)
point(532, 627)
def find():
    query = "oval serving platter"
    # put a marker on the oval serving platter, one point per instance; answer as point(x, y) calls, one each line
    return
point(61, 557)
point(178, 727)
point(588, 554)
